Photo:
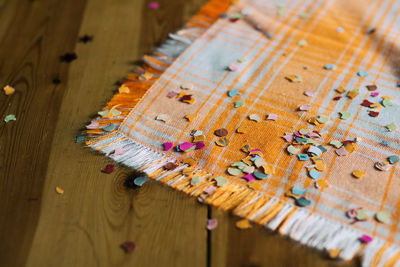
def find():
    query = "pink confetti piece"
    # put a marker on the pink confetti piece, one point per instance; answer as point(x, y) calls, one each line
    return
point(233, 67)
point(210, 190)
point(168, 146)
point(288, 137)
point(313, 135)
point(366, 238)
point(212, 224)
point(249, 177)
point(272, 117)
point(309, 93)
point(172, 94)
point(199, 145)
point(119, 151)
point(93, 125)
point(374, 94)
point(153, 5)
point(185, 146)
point(341, 151)
point(305, 107)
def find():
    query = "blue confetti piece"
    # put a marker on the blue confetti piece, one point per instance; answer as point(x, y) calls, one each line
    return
point(329, 66)
point(80, 138)
point(298, 190)
point(303, 157)
point(232, 93)
point(109, 128)
point(362, 73)
point(139, 181)
point(314, 174)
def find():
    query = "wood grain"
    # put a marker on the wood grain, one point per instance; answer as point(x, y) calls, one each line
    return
point(86, 225)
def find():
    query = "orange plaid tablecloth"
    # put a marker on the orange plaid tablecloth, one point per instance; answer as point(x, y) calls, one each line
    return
point(326, 45)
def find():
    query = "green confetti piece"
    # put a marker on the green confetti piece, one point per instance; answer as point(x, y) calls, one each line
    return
point(345, 115)
point(392, 127)
point(103, 112)
point(238, 103)
point(292, 150)
point(196, 180)
point(303, 157)
point(221, 181)
point(393, 159)
point(336, 143)
point(234, 171)
point(239, 164)
point(387, 102)
point(10, 117)
point(383, 217)
point(303, 202)
point(322, 118)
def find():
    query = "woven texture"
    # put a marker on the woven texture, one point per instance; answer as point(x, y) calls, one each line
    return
point(336, 32)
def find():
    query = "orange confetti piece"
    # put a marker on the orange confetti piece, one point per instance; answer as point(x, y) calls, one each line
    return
point(320, 164)
point(359, 173)
point(199, 138)
point(123, 89)
point(190, 117)
point(59, 190)
point(242, 129)
point(334, 253)
point(243, 224)
point(146, 76)
point(321, 183)
point(190, 161)
point(341, 90)
point(351, 147)
point(268, 169)
point(8, 90)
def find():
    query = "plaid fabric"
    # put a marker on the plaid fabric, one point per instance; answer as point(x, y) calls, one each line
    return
point(336, 33)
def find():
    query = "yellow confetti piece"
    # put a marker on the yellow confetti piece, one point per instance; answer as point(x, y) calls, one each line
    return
point(243, 224)
point(351, 147)
point(242, 129)
point(334, 253)
point(376, 106)
point(268, 169)
point(358, 174)
point(341, 89)
point(181, 94)
point(321, 183)
point(123, 89)
point(294, 78)
point(190, 161)
point(146, 76)
point(256, 186)
point(59, 190)
point(352, 94)
point(190, 117)
point(247, 160)
point(199, 138)
point(387, 97)
point(314, 121)
point(319, 164)
point(8, 90)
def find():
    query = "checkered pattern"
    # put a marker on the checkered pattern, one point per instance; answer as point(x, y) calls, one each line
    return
point(264, 89)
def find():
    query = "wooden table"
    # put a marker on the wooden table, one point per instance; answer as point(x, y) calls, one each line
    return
point(86, 225)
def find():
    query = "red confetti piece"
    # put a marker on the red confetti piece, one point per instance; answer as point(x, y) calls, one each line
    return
point(128, 247)
point(372, 87)
point(108, 169)
point(366, 103)
point(374, 113)
point(337, 98)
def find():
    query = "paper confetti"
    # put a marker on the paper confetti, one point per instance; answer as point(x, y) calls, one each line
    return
point(8, 90)
point(212, 224)
point(243, 224)
point(10, 117)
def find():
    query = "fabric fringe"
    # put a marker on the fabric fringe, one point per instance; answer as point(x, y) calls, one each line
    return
point(275, 214)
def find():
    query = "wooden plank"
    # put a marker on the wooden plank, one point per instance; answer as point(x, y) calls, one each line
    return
point(35, 34)
point(258, 247)
point(86, 225)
